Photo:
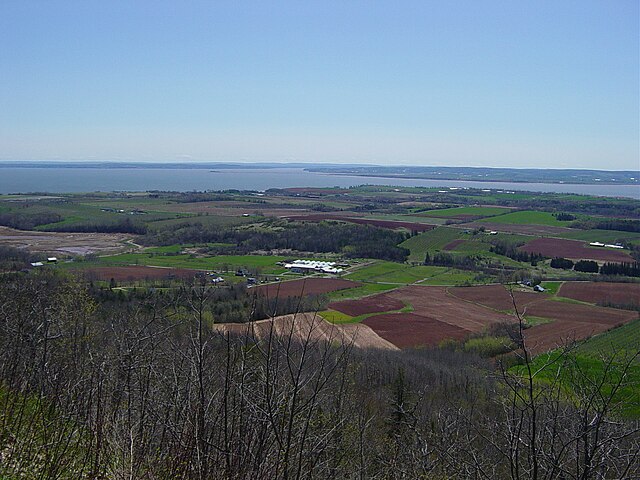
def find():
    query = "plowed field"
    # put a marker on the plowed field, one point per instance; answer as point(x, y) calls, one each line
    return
point(411, 330)
point(305, 286)
point(363, 306)
point(135, 273)
point(602, 292)
point(496, 296)
point(305, 326)
point(573, 249)
point(452, 245)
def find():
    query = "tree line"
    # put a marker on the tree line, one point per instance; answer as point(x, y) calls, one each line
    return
point(351, 240)
point(153, 390)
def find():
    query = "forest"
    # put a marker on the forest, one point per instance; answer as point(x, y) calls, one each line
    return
point(95, 388)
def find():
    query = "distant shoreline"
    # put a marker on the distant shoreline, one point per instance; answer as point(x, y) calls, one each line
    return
point(485, 180)
point(478, 175)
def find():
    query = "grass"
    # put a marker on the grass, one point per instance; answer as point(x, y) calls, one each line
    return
point(337, 318)
point(532, 321)
point(551, 287)
point(604, 236)
point(266, 264)
point(395, 273)
point(359, 292)
point(471, 211)
point(582, 372)
point(622, 340)
point(529, 217)
point(432, 240)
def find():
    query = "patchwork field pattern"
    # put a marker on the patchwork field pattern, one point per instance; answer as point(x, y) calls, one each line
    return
point(441, 313)
point(436, 315)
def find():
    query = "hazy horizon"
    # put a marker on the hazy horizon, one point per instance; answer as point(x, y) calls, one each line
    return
point(492, 84)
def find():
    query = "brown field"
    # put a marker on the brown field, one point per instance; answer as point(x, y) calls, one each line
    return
point(453, 244)
point(570, 321)
point(523, 229)
point(436, 302)
point(69, 243)
point(304, 286)
point(457, 312)
point(573, 249)
point(411, 330)
point(372, 304)
point(496, 297)
point(391, 224)
point(601, 292)
point(135, 273)
point(574, 312)
point(436, 315)
point(308, 325)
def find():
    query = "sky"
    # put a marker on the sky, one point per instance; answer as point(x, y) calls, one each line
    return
point(549, 84)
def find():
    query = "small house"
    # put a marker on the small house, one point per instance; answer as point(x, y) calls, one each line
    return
point(52, 260)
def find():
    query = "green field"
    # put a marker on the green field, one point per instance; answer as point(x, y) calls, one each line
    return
point(582, 373)
point(402, 274)
point(336, 317)
point(362, 291)
point(264, 264)
point(470, 211)
point(622, 340)
point(432, 240)
point(529, 217)
point(587, 365)
point(604, 236)
point(551, 287)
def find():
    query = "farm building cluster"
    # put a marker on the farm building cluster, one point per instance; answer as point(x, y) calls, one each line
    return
point(311, 266)
point(608, 245)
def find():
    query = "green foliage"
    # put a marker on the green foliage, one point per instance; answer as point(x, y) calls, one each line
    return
point(489, 346)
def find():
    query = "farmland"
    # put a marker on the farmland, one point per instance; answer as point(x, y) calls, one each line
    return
point(168, 235)
point(302, 287)
point(529, 217)
point(465, 213)
point(602, 293)
point(435, 239)
point(556, 247)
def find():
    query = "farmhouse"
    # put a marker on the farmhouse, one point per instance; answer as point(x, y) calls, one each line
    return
point(309, 266)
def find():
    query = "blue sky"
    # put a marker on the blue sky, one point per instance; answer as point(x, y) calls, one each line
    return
point(477, 83)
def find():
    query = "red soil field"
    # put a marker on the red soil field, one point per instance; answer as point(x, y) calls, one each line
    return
point(437, 303)
point(411, 330)
point(573, 249)
point(601, 292)
point(572, 312)
point(373, 304)
point(524, 229)
point(549, 336)
point(453, 244)
point(496, 296)
point(418, 227)
point(305, 286)
point(135, 273)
